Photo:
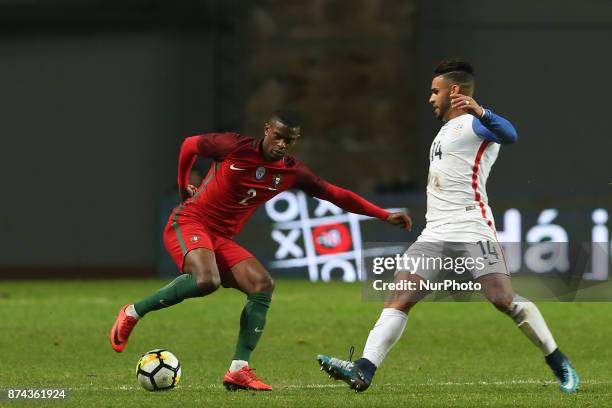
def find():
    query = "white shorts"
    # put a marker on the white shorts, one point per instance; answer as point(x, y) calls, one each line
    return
point(455, 248)
point(464, 230)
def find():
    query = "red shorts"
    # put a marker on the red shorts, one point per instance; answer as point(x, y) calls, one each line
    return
point(182, 234)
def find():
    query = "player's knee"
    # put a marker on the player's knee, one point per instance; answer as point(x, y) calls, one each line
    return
point(403, 306)
point(208, 282)
point(501, 301)
point(265, 284)
point(204, 272)
point(207, 279)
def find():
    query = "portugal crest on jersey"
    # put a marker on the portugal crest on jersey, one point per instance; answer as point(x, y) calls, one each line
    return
point(260, 172)
point(276, 180)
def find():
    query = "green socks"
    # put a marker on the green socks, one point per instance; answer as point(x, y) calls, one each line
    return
point(252, 319)
point(252, 322)
point(183, 287)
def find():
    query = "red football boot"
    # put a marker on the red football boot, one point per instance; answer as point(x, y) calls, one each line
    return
point(244, 379)
point(121, 330)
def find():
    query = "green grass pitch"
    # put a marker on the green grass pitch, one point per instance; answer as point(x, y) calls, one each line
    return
point(54, 334)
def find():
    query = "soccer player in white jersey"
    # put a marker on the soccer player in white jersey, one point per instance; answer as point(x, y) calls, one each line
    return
point(459, 223)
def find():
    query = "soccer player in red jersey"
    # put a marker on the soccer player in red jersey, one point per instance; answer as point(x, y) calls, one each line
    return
point(246, 173)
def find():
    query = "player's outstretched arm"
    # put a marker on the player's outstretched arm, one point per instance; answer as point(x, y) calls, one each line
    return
point(310, 183)
point(487, 124)
point(354, 203)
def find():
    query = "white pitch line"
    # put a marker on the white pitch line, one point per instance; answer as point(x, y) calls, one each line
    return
point(341, 385)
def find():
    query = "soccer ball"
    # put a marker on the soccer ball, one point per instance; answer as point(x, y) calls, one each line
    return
point(158, 370)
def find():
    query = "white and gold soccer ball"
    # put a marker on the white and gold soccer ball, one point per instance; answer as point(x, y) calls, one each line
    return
point(158, 370)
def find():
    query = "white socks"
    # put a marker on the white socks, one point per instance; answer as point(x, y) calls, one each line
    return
point(392, 322)
point(532, 324)
point(386, 332)
point(237, 365)
point(130, 311)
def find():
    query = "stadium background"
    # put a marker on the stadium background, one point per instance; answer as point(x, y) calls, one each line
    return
point(97, 96)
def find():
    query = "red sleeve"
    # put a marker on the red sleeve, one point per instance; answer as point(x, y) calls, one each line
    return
point(212, 145)
point(312, 184)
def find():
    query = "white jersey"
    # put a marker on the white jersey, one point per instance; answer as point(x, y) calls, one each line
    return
point(459, 164)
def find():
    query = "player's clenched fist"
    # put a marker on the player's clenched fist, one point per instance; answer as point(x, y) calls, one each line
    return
point(467, 104)
point(187, 192)
point(400, 218)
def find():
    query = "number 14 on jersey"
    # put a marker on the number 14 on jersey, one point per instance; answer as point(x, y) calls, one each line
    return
point(436, 150)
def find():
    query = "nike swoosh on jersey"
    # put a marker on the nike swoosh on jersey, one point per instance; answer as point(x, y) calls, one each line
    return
point(233, 167)
point(273, 189)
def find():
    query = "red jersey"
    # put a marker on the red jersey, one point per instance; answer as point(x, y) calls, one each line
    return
point(240, 180)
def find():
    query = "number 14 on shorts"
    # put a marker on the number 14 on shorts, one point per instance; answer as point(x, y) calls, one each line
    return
point(489, 250)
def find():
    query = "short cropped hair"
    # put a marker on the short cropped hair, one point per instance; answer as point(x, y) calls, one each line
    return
point(457, 71)
point(288, 117)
